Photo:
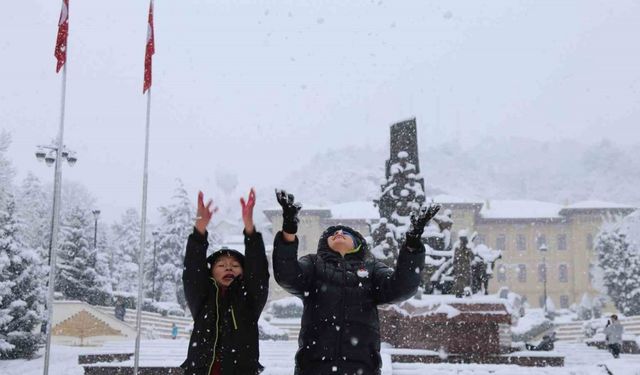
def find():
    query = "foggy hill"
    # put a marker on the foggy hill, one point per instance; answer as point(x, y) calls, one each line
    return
point(562, 171)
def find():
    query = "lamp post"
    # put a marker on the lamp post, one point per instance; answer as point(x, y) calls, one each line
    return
point(49, 155)
point(543, 249)
point(155, 234)
point(54, 155)
point(96, 215)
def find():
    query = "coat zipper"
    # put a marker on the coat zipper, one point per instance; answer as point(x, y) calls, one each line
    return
point(343, 265)
point(215, 343)
point(233, 317)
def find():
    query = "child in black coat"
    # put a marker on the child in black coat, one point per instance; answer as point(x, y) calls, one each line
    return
point(226, 293)
point(341, 286)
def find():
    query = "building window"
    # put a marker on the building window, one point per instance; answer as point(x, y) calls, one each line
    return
point(541, 240)
point(562, 242)
point(521, 242)
point(564, 302)
point(542, 272)
point(563, 273)
point(501, 242)
point(522, 273)
point(502, 274)
point(589, 241)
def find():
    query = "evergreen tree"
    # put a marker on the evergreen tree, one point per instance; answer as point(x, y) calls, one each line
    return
point(126, 244)
point(403, 192)
point(6, 170)
point(77, 260)
point(21, 275)
point(34, 207)
point(620, 262)
point(176, 224)
point(103, 264)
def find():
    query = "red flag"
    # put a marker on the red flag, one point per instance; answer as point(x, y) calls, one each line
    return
point(148, 56)
point(63, 32)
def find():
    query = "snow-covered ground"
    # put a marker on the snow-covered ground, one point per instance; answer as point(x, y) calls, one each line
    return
point(277, 357)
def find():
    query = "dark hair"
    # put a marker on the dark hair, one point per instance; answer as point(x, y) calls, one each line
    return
point(213, 258)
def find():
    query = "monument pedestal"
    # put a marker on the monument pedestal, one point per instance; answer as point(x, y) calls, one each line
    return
point(456, 330)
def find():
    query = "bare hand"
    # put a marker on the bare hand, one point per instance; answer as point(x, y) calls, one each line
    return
point(205, 213)
point(247, 211)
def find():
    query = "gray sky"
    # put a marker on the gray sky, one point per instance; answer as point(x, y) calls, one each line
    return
point(260, 87)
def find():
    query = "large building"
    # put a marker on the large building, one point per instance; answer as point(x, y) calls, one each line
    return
point(519, 228)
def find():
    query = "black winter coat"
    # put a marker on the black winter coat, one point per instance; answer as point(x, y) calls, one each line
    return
point(340, 330)
point(227, 326)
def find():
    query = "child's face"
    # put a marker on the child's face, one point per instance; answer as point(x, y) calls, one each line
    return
point(225, 269)
point(340, 242)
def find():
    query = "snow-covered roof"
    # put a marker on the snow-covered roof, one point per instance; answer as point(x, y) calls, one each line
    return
point(354, 210)
point(445, 198)
point(596, 205)
point(520, 209)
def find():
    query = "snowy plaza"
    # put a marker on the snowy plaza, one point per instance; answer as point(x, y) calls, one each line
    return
point(277, 358)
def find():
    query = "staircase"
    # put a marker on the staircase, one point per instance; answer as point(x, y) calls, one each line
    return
point(154, 324)
point(572, 331)
point(289, 325)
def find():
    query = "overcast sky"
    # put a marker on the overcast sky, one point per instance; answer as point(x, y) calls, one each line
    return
point(260, 87)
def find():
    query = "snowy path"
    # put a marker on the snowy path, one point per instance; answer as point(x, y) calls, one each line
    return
point(277, 356)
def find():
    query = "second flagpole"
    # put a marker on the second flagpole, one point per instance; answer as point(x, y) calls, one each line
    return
point(143, 230)
point(150, 50)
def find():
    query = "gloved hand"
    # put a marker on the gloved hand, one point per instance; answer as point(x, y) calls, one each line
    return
point(290, 210)
point(418, 222)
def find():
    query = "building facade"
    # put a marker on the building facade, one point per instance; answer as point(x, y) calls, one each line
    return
point(538, 240)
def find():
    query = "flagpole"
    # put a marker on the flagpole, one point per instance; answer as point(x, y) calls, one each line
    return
point(143, 233)
point(57, 187)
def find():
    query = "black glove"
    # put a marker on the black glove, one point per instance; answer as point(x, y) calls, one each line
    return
point(290, 211)
point(418, 222)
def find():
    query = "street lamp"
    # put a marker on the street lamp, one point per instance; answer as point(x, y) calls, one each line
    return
point(543, 249)
point(48, 154)
point(155, 234)
point(96, 214)
point(55, 154)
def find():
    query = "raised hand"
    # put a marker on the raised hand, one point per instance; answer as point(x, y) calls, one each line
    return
point(290, 210)
point(420, 220)
point(247, 211)
point(204, 214)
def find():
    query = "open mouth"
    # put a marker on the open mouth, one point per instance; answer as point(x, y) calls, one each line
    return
point(228, 277)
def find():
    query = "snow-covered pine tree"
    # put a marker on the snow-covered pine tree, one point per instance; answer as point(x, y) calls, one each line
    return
point(77, 277)
point(176, 223)
point(33, 206)
point(21, 275)
point(102, 267)
point(401, 192)
point(620, 262)
point(126, 244)
point(6, 170)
